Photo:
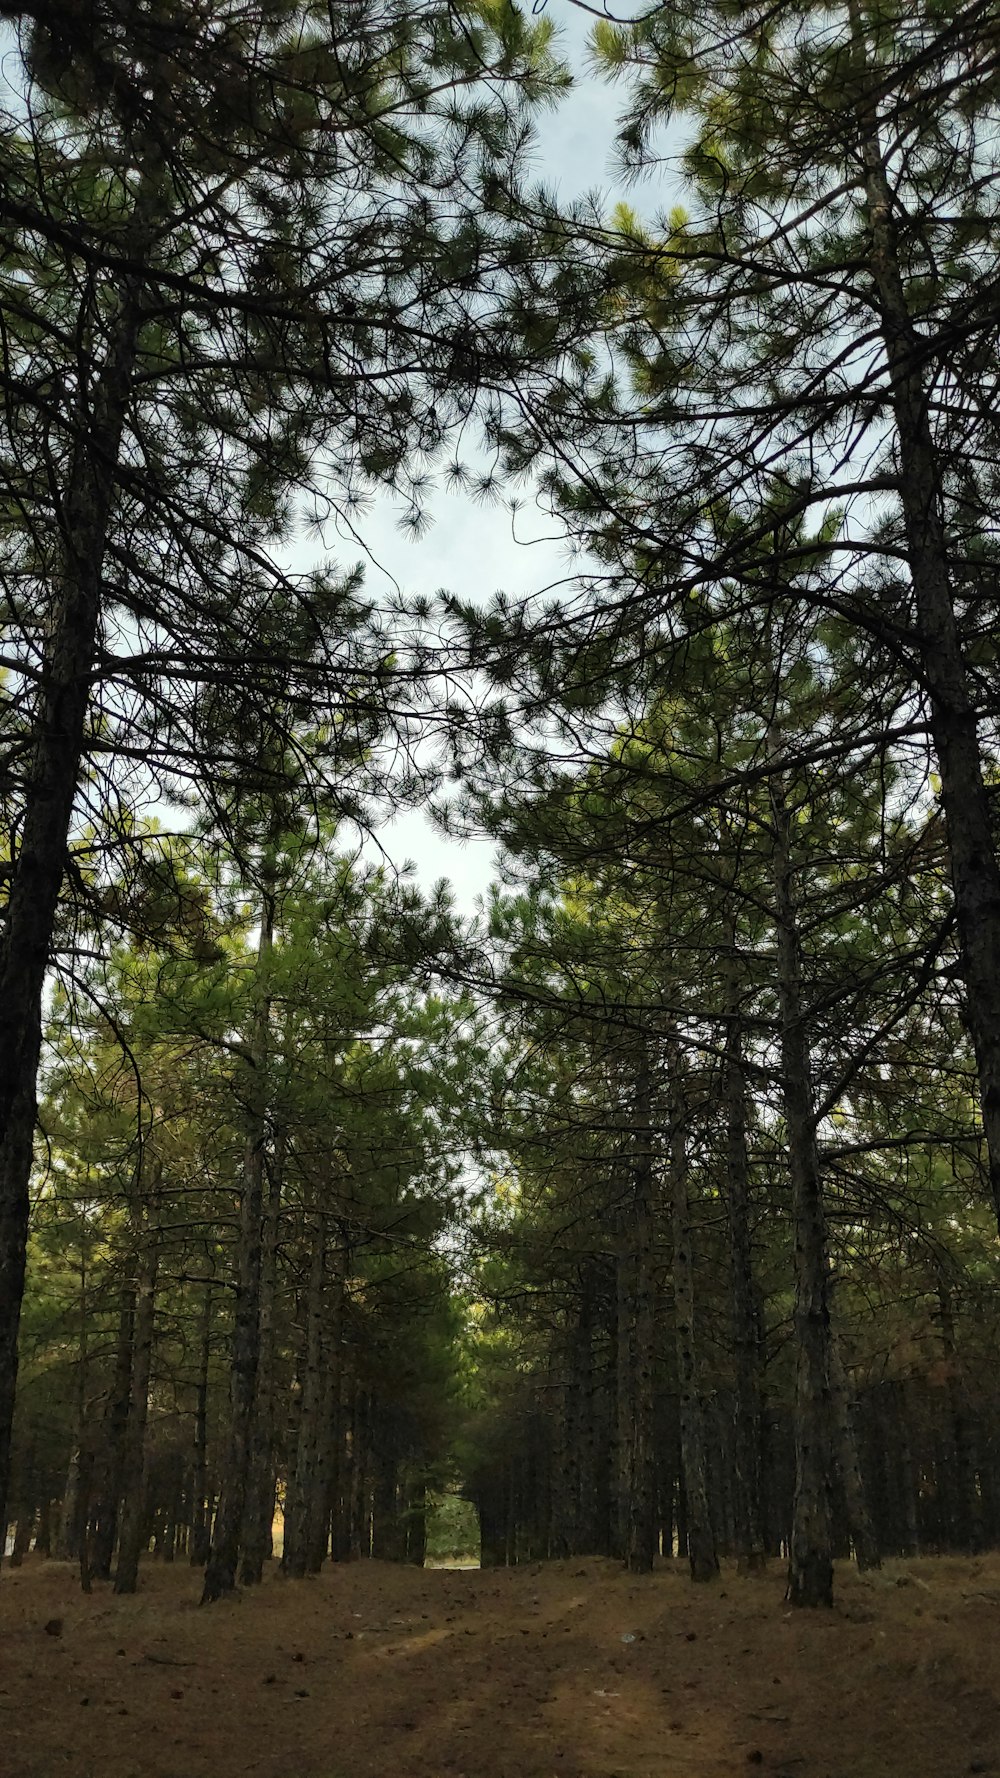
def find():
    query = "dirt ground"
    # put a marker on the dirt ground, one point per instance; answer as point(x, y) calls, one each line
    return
point(574, 1670)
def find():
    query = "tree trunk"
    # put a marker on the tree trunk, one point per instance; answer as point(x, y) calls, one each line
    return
point(301, 1494)
point(558, 1413)
point(579, 1433)
point(386, 1541)
point(624, 1386)
point(131, 1540)
point(492, 1529)
point(751, 1554)
point(66, 1548)
point(640, 1530)
point(416, 1522)
point(201, 1531)
point(25, 1512)
point(81, 1516)
point(810, 1569)
point(224, 1555)
point(589, 1541)
point(360, 1518)
point(340, 1472)
point(904, 1471)
point(116, 1426)
point(67, 1542)
point(974, 870)
point(260, 1490)
point(83, 517)
point(318, 1506)
point(859, 1519)
point(704, 1562)
point(43, 1535)
point(682, 1508)
point(24, 1526)
point(174, 1514)
point(966, 1526)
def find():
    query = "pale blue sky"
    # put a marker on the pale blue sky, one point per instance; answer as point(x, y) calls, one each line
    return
point(469, 549)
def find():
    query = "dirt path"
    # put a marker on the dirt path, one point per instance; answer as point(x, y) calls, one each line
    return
point(574, 1670)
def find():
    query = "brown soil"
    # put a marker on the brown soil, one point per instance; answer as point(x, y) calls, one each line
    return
point(574, 1670)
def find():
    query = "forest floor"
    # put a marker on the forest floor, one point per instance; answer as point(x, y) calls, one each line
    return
point(571, 1670)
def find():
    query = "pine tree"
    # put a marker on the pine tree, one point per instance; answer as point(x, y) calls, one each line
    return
point(244, 255)
point(809, 332)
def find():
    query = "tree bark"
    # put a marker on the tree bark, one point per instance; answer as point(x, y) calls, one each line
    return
point(704, 1562)
point(975, 873)
point(904, 1471)
point(580, 1429)
point(340, 1473)
point(327, 1506)
point(318, 1505)
point(358, 1495)
point(43, 1535)
point(260, 1490)
point(24, 1525)
point(301, 1495)
point(116, 1425)
point(592, 1538)
point(67, 1539)
point(386, 1540)
point(83, 518)
point(201, 1530)
point(562, 1456)
point(66, 1536)
point(966, 1526)
point(416, 1522)
point(133, 1523)
point(859, 1519)
point(624, 1385)
point(640, 1529)
point(810, 1568)
point(224, 1555)
point(81, 1515)
point(751, 1553)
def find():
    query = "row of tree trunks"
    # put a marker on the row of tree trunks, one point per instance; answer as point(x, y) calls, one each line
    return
point(913, 1473)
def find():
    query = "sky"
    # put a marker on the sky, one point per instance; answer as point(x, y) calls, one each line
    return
point(469, 549)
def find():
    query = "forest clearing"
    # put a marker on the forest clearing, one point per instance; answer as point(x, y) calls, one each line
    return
point(382, 1671)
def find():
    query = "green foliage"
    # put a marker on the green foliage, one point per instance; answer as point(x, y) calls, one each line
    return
point(452, 1529)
